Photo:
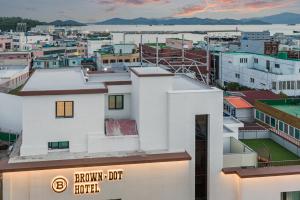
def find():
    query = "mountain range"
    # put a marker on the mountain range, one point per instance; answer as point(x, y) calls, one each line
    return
point(283, 18)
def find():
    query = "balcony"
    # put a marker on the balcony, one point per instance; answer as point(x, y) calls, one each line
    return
point(237, 154)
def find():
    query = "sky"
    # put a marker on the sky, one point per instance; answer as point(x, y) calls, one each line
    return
point(99, 10)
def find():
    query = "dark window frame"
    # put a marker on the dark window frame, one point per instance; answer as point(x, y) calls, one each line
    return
point(59, 145)
point(64, 116)
point(115, 106)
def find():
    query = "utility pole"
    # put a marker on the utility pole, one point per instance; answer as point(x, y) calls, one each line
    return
point(182, 51)
point(141, 51)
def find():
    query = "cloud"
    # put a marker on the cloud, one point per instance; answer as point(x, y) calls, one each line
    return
point(115, 3)
point(233, 6)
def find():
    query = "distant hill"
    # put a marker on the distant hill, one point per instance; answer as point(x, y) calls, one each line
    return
point(179, 21)
point(283, 18)
point(10, 23)
point(66, 23)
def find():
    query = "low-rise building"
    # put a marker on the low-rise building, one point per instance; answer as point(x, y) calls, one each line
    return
point(261, 72)
point(5, 43)
point(239, 108)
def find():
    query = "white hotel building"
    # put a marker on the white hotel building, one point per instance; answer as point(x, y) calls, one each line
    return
point(261, 72)
point(147, 135)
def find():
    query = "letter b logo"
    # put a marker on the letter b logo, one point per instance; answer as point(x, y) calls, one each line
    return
point(59, 184)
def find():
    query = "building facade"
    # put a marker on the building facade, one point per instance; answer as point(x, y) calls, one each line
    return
point(261, 72)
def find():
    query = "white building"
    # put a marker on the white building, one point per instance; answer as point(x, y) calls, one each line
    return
point(254, 42)
point(261, 72)
point(149, 134)
point(96, 44)
point(23, 42)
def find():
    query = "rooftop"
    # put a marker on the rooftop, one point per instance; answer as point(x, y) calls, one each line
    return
point(59, 79)
point(238, 102)
point(290, 106)
point(252, 95)
point(150, 71)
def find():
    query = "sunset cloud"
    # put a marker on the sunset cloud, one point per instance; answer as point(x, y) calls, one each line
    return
point(232, 6)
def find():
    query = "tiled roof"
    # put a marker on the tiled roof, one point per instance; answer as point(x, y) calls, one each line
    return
point(238, 102)
point(252, 95)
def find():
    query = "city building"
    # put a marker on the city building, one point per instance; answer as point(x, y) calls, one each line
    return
point(125, 129)
point(239, 108)
point(282, 117)
point(117, 54)
point(14, 58)
point(5, 43)
point(255, 42)
point(261, 72)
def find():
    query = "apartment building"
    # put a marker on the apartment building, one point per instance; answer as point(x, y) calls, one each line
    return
point(261, 72)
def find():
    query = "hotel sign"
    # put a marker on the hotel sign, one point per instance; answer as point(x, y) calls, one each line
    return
point(86, 182)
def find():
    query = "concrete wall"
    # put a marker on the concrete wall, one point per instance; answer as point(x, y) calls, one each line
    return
point(140, 181)
point(108, 144)
point(254, 134)
point(10, 113)
point(41, 126)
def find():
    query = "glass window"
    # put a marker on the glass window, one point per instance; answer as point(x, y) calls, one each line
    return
point(281, 126)
point(273, 122)
point(286, 128)
point(58, 145)
point(64, 109)
point(291, 131)
point(262, 117)
point(267, 120)
point(257, 114)
point(297, 134)
point(115, 102)
point(290, 196)
point(273, 85)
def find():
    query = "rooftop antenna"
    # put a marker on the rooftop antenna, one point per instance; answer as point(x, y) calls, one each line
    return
point(21, 27)
point(156, 51)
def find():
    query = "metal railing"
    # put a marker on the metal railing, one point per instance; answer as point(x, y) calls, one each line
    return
point(278, 163)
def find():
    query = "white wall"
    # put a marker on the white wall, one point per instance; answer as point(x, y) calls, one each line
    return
point(182, 108)
point(156, 181)
point(10, 113)
point(151, 111)
point(40, 125)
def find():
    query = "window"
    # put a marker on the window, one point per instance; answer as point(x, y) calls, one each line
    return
point(288, 85)
point(284, 85)
point(277, 65)
point(58, 145)
point(291, 131)
point(252, 80)
point(280, 85)
point(115, 102)
point(286, 128)
point(268, 65)
point(273, 122)
point(274, 86)
point(237, 75)
point(298, 84)
point(257, 114)
point(64, 109)
point(256, 60)
point(292, 85)
point(297, 134)
point(262, 117)
point(243, 60)
point(290, 195)
point(281, 125)
point(267, 120)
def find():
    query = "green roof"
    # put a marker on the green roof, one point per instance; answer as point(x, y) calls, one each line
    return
point(267, 147)
point(290, 106)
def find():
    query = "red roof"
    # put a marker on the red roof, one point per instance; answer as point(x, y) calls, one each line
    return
point(238, 102)
point(252, 95)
